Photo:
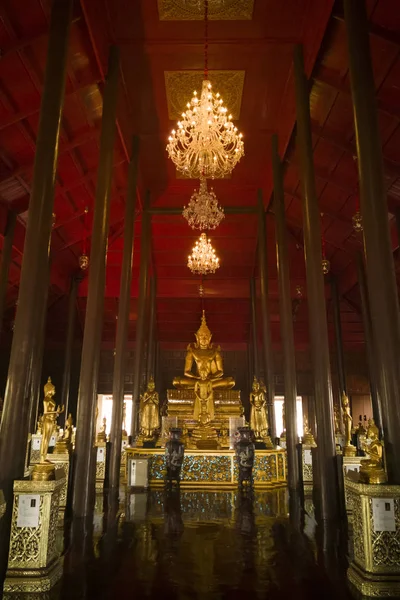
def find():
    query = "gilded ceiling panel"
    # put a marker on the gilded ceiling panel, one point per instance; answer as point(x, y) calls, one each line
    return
point(193, 10)
point(180, 85)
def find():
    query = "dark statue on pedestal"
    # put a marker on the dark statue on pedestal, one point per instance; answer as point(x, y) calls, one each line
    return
point(245, 451)
point(174, 453)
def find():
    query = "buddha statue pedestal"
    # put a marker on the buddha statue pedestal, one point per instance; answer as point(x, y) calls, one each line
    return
point(101, 451)
point(34, 559)
point(205, 437)
point(375, 567)
point(61, 466)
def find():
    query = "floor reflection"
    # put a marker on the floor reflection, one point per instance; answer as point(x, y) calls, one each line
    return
point(199, 544)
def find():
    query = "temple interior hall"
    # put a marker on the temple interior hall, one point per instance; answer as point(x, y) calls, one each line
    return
point(199, 299)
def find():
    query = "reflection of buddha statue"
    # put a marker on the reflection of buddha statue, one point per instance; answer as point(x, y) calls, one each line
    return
point(208, 359)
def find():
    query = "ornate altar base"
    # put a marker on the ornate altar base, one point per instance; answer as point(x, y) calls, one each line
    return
point(216, 468)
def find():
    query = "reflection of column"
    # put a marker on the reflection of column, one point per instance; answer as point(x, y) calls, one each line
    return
point(84, 472)
point(6, 255)
point(285, 303)
point(254, 329)
point(369, 342)
point(64, 399)
point(266, 327)
point(152, 326)
point(326, 475)
point(140, 322)
point(382, 286)
point(123, 321)
point(15, 421)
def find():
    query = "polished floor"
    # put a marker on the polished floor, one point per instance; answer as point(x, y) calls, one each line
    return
point(202, 545)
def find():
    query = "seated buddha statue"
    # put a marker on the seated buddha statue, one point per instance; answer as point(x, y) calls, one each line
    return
point(207, 359)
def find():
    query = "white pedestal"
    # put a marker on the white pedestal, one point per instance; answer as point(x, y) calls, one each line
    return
point(100, 465)
point(137, 471)
point(307, 465)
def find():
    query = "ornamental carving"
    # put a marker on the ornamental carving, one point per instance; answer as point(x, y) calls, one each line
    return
point(193, 10)
point(358, 530)
point(386, 544)
point(53, 522)
point(180, 85)
point(25, 541)
point(211, 468)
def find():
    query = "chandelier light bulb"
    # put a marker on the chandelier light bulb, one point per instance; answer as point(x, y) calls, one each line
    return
point(206, 142)
point(203, 211)
point(203, 259)
point(357, 222)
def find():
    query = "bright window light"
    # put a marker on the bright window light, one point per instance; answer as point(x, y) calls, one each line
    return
point(278, 402)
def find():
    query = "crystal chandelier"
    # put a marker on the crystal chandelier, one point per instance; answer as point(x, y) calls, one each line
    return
point(203, 259)
point(206, 142)
point(203, 211)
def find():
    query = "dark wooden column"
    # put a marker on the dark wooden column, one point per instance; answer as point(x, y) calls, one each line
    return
point(140, 324)
point(36, 383)
point(15, 421)
point(382, 288)
point(6, 256)
point(152, 326)
point(338, 337)
point(369, 342)
point(265, 315)
point(69, 341)
point(85, 426)
point(123, 321)
point(326, 479)
point(254, 329)
point(285, 304)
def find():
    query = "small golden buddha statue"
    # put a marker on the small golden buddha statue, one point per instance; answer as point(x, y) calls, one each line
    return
point(224, 441)
point(349, 449)
point(308, 437)
point(338, 420)
point(102, 435)
point(371, 470)
point(283, 434)
point(207, 358)
point(258, 414)
point(149, 411)
point(124, 432)
point(44, 470)
point(39, 429)
point(204, 399)
point(69, 429)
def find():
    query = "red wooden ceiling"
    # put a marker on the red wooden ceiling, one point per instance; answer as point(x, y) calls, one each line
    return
point(262, 47)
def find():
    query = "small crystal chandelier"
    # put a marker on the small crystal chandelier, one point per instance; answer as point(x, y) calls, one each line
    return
point(203, 211)
point(203, 259)
point(83, 258)
point(326, 265)
point(357, 222)
point(206, 143)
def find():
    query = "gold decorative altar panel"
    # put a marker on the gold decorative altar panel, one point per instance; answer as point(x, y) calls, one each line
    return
point(209, 468)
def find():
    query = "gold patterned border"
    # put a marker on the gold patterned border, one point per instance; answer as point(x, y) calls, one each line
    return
point(180, 85)
point(193, 10)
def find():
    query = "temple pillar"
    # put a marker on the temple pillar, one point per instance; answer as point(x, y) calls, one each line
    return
point(140, 323)
point(326, 479)
point(382, 287)
point(69, 341)
point(152, 326)
point(254, 331)
point(85, 426)
point(15, 422)
point(369, 342)
point(6, 256)
point(266, 328)
point(287, 336)
point(123, 321)
point(338, 338)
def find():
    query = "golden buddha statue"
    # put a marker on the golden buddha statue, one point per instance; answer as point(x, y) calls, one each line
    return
point(371, 470)
point(102, 435)
point(349, 449)
point(69, 429)
point(208, 360)
point(338, 419)
point(308, 437)
point(204, 399)
point(44, 470)
point(258, 414)
point(124, 432)
point(149, 411)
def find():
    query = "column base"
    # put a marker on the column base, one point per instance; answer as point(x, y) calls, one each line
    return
point(33, 581)
point(374, 586)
